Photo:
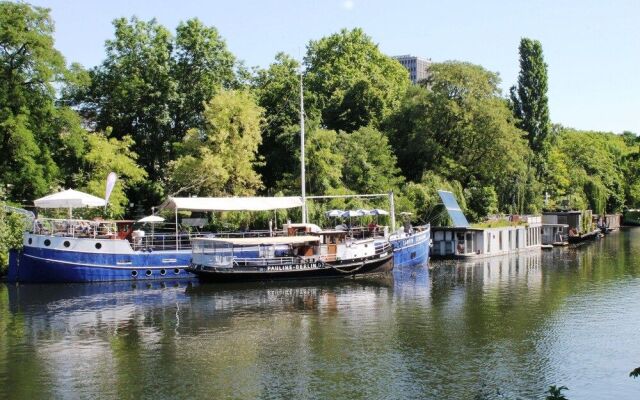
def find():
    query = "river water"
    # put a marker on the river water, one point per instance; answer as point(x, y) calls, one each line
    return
point(500, 328)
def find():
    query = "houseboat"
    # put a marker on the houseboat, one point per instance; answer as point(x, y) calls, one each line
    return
point(313, 253)
point(555, 234)
point(581, 225)
point(608, 223)
point(473, 242)
point(76, 250)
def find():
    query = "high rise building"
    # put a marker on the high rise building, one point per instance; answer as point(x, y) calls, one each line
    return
point(418, 67)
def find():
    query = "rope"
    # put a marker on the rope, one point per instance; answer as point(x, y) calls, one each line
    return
point(353, 271)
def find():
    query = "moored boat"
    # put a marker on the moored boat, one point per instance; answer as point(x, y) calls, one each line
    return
point(322, 254)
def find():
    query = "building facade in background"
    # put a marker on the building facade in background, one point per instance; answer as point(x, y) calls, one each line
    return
point(418, 67)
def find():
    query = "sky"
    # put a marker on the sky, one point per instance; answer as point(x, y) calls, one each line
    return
point(592, 47)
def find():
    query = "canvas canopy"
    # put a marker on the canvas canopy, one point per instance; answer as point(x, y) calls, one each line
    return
point(231, 203)
point(69, 199)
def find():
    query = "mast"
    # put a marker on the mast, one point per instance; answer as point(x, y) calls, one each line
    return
point(302, 174)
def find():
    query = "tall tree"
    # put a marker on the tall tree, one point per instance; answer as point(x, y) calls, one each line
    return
point(530, 103)
point(277, 89)
point(353, 82)
point(462, 129)
point(132, 90)
point(369, 163)
point(202, 65)
point(221, 159)
point(30, 65)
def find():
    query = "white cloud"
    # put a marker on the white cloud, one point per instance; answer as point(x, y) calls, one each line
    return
point(347, 4)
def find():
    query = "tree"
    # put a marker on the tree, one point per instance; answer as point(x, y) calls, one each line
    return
point(530, 103)
point(107, 154)
point(221, 159)
point(353, 82)
point(131, 92)
point(369, 163)
point(29, 66)
point(201, 66)
point(594, 165)
point(459, 127)
point(277, 89)
point(323, 162)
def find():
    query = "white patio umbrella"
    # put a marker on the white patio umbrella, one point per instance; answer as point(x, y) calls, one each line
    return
point(69, 199)
point(377, 212)
point(153, 220)
point(352, 213)
point(334, 213)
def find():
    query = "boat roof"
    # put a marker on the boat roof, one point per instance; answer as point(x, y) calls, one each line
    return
point(263, 241)
point(231, 203)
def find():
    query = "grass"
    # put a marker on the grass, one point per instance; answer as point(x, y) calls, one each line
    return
point(498, 223)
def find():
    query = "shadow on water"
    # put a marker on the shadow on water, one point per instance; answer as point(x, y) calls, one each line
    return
point(505, 327)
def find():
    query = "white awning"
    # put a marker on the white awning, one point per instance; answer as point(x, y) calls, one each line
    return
point(262, 241)
point(231, 203)
point(69, 199)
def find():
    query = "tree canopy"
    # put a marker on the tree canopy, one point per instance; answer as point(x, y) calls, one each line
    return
point(353, 83)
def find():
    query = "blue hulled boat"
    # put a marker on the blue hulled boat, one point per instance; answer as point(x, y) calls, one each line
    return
point(411, 248)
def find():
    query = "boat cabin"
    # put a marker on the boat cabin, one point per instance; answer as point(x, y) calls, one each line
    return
point(464, 242)
point(555, 234)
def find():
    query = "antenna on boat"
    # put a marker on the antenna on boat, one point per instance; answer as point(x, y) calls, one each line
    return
point(302, 174)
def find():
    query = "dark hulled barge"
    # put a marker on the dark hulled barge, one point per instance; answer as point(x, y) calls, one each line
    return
point(324, 254)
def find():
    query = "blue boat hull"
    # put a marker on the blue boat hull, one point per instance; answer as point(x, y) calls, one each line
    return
point(37, 265)
point(411, 250)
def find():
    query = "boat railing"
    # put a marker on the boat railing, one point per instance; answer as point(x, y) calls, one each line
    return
point(267, 261)
point(73, 227)
point(165, 241)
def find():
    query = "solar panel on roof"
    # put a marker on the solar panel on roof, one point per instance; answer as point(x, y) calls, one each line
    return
point(453, 208)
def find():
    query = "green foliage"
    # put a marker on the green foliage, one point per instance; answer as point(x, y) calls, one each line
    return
point(28, 133)
point(590, 169)
point(459, 127)
point(11, 228)
point(555, 393)
point(324, 162)
point(221, 159)
point(483, 201)
point(530, 103)
point(104, 155)
point(201, 65)
point(369, 164)
point(153, 87)
point(353, 82)
point(277, 89)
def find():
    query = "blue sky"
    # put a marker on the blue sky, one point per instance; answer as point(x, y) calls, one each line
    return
point(592, 47)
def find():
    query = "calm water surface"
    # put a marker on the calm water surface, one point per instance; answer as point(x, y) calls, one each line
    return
point(500, 328)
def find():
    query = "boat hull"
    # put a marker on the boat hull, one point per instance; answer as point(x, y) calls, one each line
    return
point(33, 265)
point(411, 250)
point(371, 266)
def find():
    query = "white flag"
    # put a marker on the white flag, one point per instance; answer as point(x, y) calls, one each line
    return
point(111, 182)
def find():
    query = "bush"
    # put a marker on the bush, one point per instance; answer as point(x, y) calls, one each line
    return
point(11, 228)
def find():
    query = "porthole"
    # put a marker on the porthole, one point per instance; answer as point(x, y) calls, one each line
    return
point(163, 271)
point(66, 243)
point(47, 242)
point(148, 272)
point(176, 271)
point(134, 273)
point(98, 246)
point(30, 240)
